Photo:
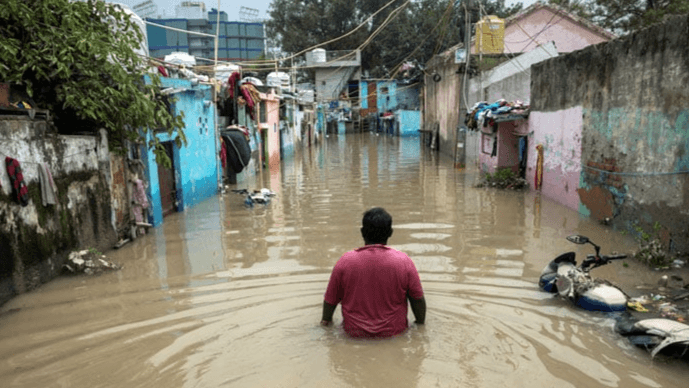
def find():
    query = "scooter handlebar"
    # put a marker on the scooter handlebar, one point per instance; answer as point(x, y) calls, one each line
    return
point(592, 261)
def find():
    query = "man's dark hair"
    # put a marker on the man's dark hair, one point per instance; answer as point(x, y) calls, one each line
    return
point(376, 226)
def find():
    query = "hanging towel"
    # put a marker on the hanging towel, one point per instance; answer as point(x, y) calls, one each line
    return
point(538, 179)
point(48, 188)
point(19, 189)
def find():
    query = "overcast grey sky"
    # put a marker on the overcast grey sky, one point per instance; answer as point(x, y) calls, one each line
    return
point(166, 8)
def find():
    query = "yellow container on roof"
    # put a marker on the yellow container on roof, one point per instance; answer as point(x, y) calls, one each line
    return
point(490, 35)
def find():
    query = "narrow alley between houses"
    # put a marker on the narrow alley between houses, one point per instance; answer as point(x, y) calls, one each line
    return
point(224, 294)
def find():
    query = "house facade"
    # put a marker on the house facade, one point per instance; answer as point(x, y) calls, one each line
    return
point(269, 126)
point(387, 106)
point(538, 33)
point(541, 23)
point(193, 176)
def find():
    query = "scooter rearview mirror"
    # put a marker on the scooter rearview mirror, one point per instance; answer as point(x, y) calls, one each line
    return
point(578, 239)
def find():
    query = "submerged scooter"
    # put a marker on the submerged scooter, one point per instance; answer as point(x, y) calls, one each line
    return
point(562, 276)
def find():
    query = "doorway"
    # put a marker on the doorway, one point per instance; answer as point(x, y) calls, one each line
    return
point(523, 152)
point(166, 179)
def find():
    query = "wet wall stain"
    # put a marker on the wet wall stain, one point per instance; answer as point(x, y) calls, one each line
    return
point(635, 130)
point(598, 201)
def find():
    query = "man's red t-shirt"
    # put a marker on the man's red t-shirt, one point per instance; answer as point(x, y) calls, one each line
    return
point(372, 283)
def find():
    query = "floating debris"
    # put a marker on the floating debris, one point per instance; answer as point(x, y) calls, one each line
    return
point(121, 243)
point(671, 281)
point(262, 196)
point(89, 262)
point(637, 306)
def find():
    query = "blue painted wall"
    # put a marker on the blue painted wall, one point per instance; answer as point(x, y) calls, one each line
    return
point(409, 122)
point(320, 119)
point(386, 96)
point(408, 97)
point(196, 164)
point(287, 131)
point(390, 95)
point(363, 94)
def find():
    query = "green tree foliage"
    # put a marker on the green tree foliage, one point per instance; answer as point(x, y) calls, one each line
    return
point(412, 30)
point(629, 15)
point(623, 16)
point(77, 59)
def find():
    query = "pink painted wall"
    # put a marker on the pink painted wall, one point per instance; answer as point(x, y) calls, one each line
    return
point(560, 134)
point(544, 25)
point(272, 126)
point(507, 155)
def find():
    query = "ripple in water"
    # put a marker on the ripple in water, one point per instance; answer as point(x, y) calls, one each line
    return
point(253, 321)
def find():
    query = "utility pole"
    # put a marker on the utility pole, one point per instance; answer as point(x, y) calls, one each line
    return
point(468, 6)
point(220, 170)
point(467, 26)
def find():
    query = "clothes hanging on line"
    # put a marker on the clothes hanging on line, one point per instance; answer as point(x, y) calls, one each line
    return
point(48, 188)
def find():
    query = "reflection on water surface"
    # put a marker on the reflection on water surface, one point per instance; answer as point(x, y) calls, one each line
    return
point(224, 295)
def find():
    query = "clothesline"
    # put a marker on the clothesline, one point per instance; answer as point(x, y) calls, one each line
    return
point(635, 173)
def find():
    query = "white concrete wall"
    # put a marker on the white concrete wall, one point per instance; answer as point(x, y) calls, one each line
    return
point(510, 80)
point(35, 239)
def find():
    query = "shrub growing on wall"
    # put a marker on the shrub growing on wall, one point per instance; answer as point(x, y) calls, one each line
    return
point(78, 60)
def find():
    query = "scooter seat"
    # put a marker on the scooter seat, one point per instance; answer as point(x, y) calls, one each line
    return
point(568, 257)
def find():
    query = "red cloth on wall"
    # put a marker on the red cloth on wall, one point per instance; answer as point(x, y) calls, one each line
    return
point(14, 170)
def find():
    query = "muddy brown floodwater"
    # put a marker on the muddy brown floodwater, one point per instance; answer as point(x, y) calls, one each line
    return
point(225, 295)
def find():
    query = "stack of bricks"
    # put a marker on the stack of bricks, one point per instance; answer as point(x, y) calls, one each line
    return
point(606, 172)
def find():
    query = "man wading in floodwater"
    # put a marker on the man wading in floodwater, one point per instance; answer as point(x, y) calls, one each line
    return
point(373, 283)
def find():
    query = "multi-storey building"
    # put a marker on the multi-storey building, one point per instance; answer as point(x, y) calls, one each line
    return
point(238, 41)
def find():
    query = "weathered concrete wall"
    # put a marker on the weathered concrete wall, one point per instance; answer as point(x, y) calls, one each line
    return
point(513, 88)
point(120, 202)
point(560, 134)
point(330, 81)
point(442, 101)
point(472, 148)
point(634, 105)
point(510, 80)
point(36, 239)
